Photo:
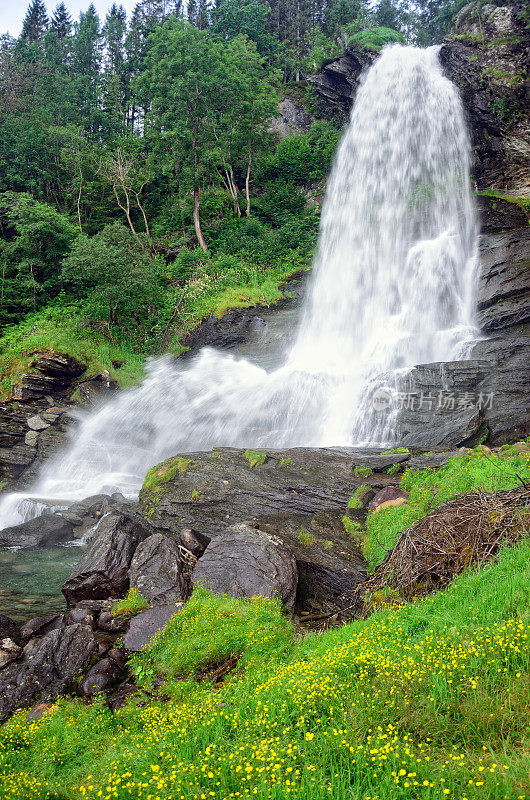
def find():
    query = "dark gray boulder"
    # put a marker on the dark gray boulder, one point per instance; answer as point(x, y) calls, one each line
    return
point(147, 624)
point(40, 626)
point(156, 570)
point(297, 495)
point(104, 675)
point(47, 668)
point(246, 562)
point(194, 541)
point(10, 630)
point(44, 531)
point(103, 570)
point(390, 495)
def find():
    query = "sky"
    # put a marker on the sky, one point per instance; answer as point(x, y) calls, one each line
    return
point(12, 12)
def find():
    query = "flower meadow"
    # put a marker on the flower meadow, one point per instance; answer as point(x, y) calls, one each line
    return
point(426, 700)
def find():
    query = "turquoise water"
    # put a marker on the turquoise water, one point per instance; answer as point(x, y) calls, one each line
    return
point(31, 580)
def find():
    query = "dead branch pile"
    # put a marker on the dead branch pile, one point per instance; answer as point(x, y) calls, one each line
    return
point(467, 531)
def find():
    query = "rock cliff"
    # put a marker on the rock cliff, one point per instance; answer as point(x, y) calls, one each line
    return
point(486, 56)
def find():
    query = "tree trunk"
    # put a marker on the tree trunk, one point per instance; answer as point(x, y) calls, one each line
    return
point(196, 199)
point(249, 167)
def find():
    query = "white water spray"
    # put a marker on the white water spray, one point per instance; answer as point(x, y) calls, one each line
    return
point(393, 286)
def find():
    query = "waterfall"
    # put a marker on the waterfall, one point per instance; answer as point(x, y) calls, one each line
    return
point(393, 286)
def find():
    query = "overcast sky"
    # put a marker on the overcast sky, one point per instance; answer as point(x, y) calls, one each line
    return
point(12, 11)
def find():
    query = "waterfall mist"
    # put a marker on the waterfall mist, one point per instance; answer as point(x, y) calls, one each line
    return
point(393, 286)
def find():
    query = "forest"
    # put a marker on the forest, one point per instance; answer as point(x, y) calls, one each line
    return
point(142, 184)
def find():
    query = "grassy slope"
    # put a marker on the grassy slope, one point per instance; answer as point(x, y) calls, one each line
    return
point(432, 487)
point(428, 700)
point(62, 329)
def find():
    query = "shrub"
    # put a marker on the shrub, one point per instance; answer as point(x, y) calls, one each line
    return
point(123, 283)
point(375, 38)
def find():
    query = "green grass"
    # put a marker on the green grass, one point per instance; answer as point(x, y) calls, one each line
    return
point(524, 202)
point(62, 329)
point(255, 458)
point(306, 538)
point(358, 498)
point(132, 603)
point(430, 488)
point(423, 701)
point(211, 629)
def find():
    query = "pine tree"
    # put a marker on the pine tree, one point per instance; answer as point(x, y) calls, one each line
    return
point(114, 35)
point(35, 22)
point(61, 22)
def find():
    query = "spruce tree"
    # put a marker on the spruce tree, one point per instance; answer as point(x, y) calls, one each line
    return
point(35, 22)
point(114, 35)
point(61, 22)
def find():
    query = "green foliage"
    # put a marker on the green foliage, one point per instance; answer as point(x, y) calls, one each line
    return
point(362, 472)
point(306, 538)
point(122, 281)
point(375, 38)
point(35, 239)
point(357, 500)
point(254, 458)
point(364, 705)
point(305, 157)
point(213, 628)
point(431, 488)
point(61, 328)
point(395, 450)
point(132, 603)
point(506, 109)
point(165, 472)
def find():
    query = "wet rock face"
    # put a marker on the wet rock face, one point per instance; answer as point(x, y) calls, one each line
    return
point(44, 531)
point(486, 56)
point(246, 562)
point(298, 496)
point(338, 80)
point(456, 403)
point(103, 570)
point(46, 668)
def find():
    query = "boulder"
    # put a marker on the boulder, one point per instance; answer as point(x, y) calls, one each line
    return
point(80, 615)
point(37, 423)
point(47, 667)
point(45, 531)
point(156, 571)
point(147, 624)
point(378, 461)
point(389, 496)
point(110, 624)
point(195, 542)
point(104, 675)
point(58, 365)
point(103, 570)
point(246, 562)
point(297, 495)
point(10, 630)
point(9, 651)
point(40, 626)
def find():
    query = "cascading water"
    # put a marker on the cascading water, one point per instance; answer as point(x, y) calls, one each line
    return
point(393, 287)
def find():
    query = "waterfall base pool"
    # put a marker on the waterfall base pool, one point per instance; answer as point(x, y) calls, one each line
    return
point(31, 580)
